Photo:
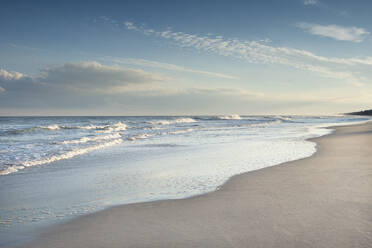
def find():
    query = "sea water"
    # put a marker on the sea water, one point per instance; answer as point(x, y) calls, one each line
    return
point(55, 168)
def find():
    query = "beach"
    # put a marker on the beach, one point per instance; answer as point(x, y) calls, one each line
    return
point(212, 124)
point(321, 201)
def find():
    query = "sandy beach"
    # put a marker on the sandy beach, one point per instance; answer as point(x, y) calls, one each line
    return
point(321, 201)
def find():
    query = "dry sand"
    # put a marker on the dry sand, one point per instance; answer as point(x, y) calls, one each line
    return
point(321, 201)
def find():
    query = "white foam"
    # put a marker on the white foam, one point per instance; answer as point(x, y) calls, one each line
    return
point(54, 158)
point(180, 131)
point(284, 118)
point(11, 169)
point(90, 127)
point(72, 153)
point(324, 129)
point(88, 139)
point(265, 124)
point(175, 121)
point(155, 128)
point(50, 127)
point(119, 126)
point(140, 136)
point(229, 117)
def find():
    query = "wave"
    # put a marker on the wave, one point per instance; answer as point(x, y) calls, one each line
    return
point(88, 139)
point(154, 128)
point(145, 136)
point(266, 124)
point(50, 127)
point(180, 131)
point(11, 169)
point(54, 158)
point(229, 117)
point(140, 136)
point(284, 118)
point(175, 121)
point(119, 126)
point(218, 117)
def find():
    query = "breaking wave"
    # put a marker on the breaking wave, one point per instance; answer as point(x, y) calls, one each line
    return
point(218, 117)
point(140, 136)
point(145, 136)
point(181, 131)
point(89, 139)
point(266, 124)
point(53, 158)
point(175, 121)
point(50, 127)
point(119, 126)
point(49, 140)
point(229, 117)
point(284, 118)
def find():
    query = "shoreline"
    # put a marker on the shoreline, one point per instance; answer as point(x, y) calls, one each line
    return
point(58, 235)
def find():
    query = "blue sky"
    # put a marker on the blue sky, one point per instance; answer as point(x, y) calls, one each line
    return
point(185, 57)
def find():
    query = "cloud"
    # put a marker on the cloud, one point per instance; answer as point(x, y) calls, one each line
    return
point(94, 76)
point(92, 88)
point(263, 53)
point(10, 75)
point(336, 32)
point(94, 79)
point(72, 83)
point(166, 66)
point(310, 2)
point(130, 25)
point(78, 88)
point(58, 80)
point(87, 75)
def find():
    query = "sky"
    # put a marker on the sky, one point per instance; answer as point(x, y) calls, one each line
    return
point(311, 57)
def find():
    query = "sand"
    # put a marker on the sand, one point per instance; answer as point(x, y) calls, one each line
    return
point(321, 201)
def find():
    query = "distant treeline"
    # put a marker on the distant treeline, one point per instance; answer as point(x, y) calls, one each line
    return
point(364, 112)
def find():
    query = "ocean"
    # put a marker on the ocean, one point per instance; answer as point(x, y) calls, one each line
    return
point(53, 169)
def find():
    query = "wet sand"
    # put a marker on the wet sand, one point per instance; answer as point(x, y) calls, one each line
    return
point(321, 201)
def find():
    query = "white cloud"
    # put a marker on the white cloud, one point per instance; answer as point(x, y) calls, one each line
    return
point(354, 34)
point(10, 75)
point(310, 2)
point(261, 52)
point(166, 66)
point(130, 25)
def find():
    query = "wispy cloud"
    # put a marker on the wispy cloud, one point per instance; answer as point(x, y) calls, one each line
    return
point(262, 52)
point(23, 47)
point(310, 2)
point(336, 32)
point(166, 66)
